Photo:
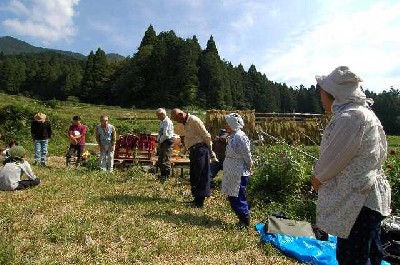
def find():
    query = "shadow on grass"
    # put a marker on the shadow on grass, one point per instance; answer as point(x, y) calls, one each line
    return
point(187, 218)
point(133, 199)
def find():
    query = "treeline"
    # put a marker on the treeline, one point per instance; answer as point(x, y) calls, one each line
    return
point(167, 71)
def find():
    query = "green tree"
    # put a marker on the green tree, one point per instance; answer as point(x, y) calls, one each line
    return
point(387, 108)
point(96, 77)
point(212, 76)
point(12, 75)
point(187, 72)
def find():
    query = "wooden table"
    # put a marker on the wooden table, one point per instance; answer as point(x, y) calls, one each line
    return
point(181, 163)
point(177, 162)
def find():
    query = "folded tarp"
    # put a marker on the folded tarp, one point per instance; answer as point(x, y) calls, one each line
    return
point(303, 249)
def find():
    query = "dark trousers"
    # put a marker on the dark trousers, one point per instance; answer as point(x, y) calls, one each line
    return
point(23, 184)
point(215, 168)
point(200, 171)
point(239, 204)
point(164, 159)
point(75, 148)
point(363, 246)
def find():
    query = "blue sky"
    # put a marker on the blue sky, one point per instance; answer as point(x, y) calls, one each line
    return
point(290, 41)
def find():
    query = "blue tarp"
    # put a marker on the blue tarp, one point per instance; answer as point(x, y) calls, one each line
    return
point(304, 249)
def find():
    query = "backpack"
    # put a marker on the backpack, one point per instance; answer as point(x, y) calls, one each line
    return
point(390, 237)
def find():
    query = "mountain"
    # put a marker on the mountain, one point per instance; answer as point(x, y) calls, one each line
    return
point(114, 57)
point(10, 45)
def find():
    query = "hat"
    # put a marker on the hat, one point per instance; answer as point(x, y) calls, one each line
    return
point(40, 116)
point(342, 84)
point(17, 151)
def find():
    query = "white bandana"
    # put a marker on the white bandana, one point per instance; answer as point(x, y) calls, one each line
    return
point(234, 121)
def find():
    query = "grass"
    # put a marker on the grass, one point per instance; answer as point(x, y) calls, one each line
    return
point(89, 217)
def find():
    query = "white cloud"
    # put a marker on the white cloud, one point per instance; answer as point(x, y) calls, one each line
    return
point(49, 21)
point(364, 39)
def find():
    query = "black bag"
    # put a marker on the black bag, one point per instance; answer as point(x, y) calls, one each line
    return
point(390, 237)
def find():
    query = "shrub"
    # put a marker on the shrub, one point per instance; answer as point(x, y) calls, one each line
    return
point(15, 122)
point(92, 162)
point(280, 171)
point(392, 172)
point(52, 103)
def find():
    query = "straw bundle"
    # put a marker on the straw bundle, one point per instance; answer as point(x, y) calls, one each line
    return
point(215, 120)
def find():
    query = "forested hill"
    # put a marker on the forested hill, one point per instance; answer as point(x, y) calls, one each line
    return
point(165, 71)
point(10, 45)
point(13, 46)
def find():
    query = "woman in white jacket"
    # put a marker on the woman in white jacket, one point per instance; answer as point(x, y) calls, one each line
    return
point(353, 192)
point(237, 168)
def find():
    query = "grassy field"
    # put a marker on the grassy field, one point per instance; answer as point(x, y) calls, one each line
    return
point(81, 216)
point(78, 216)
point(89, 217)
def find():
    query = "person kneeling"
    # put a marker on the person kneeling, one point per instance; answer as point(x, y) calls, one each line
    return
point(14, 167)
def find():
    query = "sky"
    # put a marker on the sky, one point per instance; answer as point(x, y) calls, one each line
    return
point(290, 41)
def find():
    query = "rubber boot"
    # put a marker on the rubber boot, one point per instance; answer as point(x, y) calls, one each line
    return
point(244, 221)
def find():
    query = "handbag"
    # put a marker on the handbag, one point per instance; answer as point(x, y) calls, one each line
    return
point(289, 227)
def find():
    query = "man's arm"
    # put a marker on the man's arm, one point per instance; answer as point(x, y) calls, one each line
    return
point(113, 138)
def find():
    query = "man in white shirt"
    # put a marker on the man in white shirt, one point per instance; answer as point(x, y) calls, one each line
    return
point(165, 141)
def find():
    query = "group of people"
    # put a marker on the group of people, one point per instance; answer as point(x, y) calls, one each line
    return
point(15, 166)
point(354, 195)
point(106, 138)
point(234, 156)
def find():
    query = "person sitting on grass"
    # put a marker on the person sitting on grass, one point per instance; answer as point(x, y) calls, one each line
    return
point(15, 166)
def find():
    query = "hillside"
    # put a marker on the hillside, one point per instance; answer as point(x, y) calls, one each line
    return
point(10, 45)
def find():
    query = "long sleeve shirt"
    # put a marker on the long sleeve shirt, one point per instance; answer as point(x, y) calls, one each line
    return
point(237, 163)
point(41, 130)
point(196, 132)
point(166, 130)
point(12, 172)
point(353, 150)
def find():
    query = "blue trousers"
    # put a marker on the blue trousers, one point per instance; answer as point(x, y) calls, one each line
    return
point(363, 246)
point(41, 151)
point(239, 204)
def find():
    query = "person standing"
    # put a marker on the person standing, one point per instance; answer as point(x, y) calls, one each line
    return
point(165, 139)
point(353, 192)
point(41, 133)
point(219, 148)
point(77, 136)
point(237, 168)
point(198, 142)
point(14, 167)
point(106, 139)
